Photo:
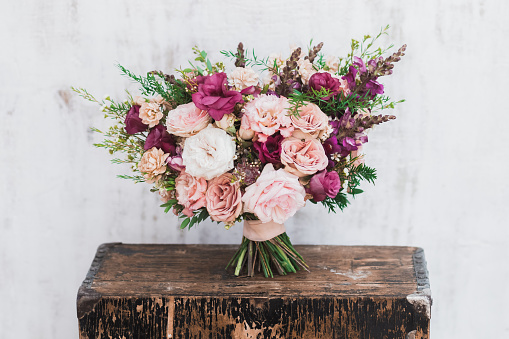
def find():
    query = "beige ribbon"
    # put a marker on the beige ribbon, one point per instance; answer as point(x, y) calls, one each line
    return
point(255, 230)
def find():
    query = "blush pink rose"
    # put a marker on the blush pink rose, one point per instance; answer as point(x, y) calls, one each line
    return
point(311, 122)
point(303, 157)
point(224, 198)
point(267, 114)
point(187, 120)
point(190, 192)
point(275, 196)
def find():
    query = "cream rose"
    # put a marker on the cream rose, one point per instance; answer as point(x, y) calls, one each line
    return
point(187, 120)
point(164, 194)
point(311, 122)
point(190, 192)
point(303, 158)
point(224, 198)
point(150, 112)
point(266, 115)
point(153, 164)
point(227, 122)
point(243, 77)
point(275, 196)
point(332, 63)
point(209, 153)
point(306, 70)
point(275, 60)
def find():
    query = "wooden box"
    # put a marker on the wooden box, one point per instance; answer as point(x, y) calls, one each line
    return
point(183, 291)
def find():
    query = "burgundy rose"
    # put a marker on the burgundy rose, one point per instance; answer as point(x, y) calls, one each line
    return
point(160, 138)
point(269, 151)
point(324, 80)
point(133, 122)
point(214, 97)
point(324, 184)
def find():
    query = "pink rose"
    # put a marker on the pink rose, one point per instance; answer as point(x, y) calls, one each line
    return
point(303, 157)
point(311, 122)
point(187, 120)
point(224, 198)
point(266, 115)
point(190, 192)
point(275, 196)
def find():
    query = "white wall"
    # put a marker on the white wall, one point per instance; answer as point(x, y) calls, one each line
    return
point(442, 164)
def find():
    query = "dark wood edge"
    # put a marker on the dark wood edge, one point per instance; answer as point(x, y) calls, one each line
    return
point(421, 270)
point(87, 297)
point(421, 298)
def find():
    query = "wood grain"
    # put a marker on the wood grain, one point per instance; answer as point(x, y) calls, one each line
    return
point(183, 291)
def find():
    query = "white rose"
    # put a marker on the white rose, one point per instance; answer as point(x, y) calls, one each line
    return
point(209, 153)
point(243, 77)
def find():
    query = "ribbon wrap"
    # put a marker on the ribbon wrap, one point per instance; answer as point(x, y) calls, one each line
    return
point(255, 230)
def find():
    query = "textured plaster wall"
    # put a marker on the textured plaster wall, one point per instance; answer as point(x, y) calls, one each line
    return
point(442, 164)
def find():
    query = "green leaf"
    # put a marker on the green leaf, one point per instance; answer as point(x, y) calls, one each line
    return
point(209, 65)
point(355, 191)
point(184, 223)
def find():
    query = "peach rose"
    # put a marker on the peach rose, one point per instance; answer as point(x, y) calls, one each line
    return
point(190, 192)
point(187, 120)
point(243, 77)
point(311, 122)
point(267, 114)
point(153, 164)
point(275, 196)
point(303, 157)
point(150, 112)
point(224, 198)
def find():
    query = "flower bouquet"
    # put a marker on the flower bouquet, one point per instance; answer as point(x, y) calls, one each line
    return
point(232, 145)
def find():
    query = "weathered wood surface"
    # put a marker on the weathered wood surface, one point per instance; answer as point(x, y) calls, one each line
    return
point(183, 291)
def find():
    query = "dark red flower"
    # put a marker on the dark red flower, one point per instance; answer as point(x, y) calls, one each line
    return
point(214, 96)
point(133, 122)
point(160, 138)
point(269, 151)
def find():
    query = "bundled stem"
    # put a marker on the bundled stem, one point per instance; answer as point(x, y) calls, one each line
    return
point(273, 254)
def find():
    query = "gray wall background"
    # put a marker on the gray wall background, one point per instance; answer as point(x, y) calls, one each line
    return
point(442, 164)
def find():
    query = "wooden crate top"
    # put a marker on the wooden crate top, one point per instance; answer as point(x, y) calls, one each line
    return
point(121, 270)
